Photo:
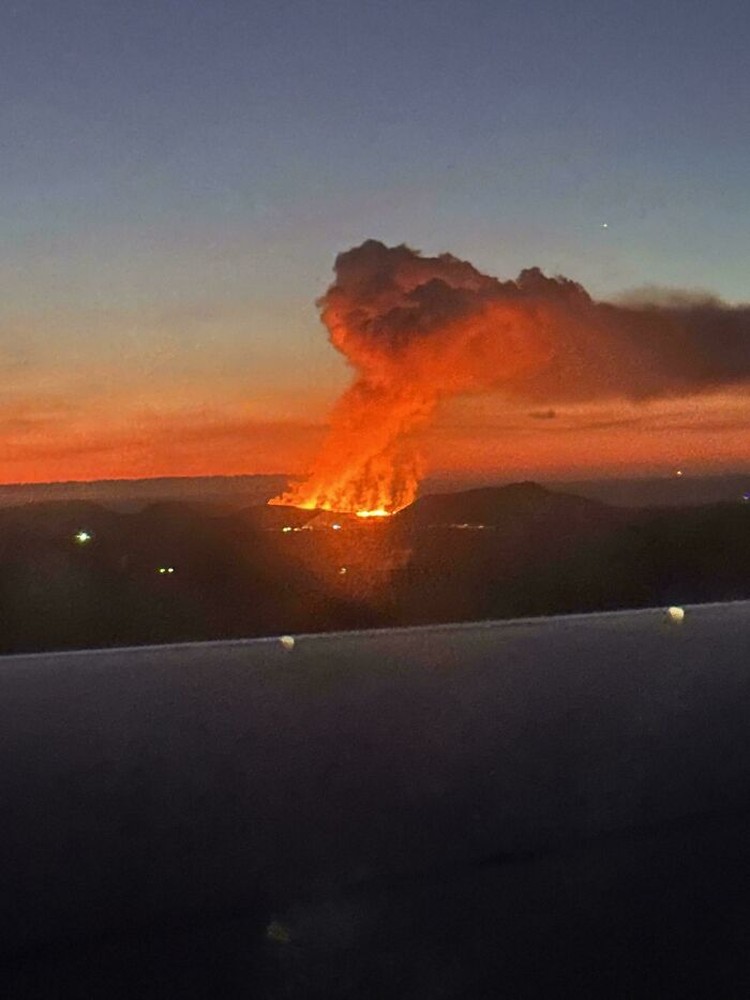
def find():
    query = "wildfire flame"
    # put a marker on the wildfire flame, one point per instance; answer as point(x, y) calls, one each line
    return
point(416, 329)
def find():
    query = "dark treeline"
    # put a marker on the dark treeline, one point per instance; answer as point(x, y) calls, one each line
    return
point(76, 575)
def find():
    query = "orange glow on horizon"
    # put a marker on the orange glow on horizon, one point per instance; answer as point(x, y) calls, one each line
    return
point(705, 433)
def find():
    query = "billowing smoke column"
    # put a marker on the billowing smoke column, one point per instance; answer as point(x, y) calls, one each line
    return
point(418, 329)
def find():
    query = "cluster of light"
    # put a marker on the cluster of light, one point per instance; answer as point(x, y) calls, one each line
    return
point(82, 537)
point(378, 512)
point(165, 569)
point(287, 529)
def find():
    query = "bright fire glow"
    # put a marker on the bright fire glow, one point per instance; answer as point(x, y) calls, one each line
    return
point(347, 480)
point(416, 330)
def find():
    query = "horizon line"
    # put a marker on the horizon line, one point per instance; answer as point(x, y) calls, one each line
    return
point(438, 473)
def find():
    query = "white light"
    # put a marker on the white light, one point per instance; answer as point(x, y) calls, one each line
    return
point(342, 571)
point(675, 614)
point(287, 641)
point(336, 527)
point(83, 536)
point(286, 529)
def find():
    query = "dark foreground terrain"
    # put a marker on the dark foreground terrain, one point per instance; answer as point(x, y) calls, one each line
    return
point(77, 574)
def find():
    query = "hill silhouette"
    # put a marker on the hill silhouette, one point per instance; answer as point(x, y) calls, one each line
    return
point(77, 574)
point(495, 506)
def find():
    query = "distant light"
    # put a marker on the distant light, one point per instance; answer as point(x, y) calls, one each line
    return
point(336, 527)
point(678, 473)
point(342, 571)
point(286, 528)
point(287, 641)
point(165, 569)
point(378, 512)
point(82, 537)
point(276, 931)
point(605, 225)
point(746, 497)
point(675, 614)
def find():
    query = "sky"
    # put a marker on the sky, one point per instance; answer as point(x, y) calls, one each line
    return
point(178, 177)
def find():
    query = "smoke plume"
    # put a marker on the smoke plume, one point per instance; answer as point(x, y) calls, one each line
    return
point(419, 329)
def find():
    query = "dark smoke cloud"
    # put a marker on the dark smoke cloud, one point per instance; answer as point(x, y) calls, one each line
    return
point(389, 303)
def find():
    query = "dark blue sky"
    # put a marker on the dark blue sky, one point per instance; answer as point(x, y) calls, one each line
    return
point(175, 158)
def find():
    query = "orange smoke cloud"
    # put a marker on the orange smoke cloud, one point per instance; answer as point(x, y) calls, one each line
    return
point(419, 329)
point(416, 330)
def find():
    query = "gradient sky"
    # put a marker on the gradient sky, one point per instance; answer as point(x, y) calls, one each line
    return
point(178, 176)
